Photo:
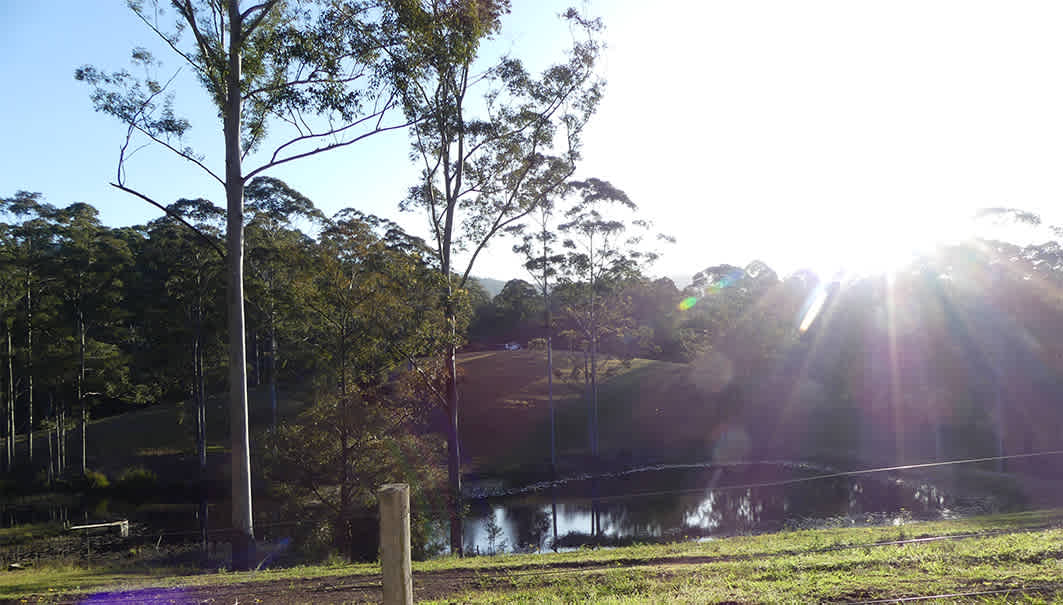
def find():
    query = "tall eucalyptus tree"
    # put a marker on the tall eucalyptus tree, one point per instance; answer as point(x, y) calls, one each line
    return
point(87, 266)
point(489, 146)
point(274, 242)
point(34, 244)
point(603, 248)
point(9, 296)
point(190, 276)
point(311, 68)
point(542, 259)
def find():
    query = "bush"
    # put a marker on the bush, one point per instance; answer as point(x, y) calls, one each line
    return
point(96, 480)
point(137, 479)
point(315, 543)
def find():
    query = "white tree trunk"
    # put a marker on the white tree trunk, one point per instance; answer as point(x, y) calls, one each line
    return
point(243, 529)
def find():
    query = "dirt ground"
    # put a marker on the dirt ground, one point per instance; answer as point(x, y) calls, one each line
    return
point(344, 589)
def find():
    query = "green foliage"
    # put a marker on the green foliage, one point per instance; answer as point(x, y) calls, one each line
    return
point(515, 314)
point(137, 480)
point(372, 297)
point(339, 450)
point(495, 542)
point(174, 296)
point(320, 62)
point(96, 480)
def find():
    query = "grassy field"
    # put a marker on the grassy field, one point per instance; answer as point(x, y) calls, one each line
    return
point(158, 437)
point(1004, 558)
point(506, 417)
point(505, 420)
point(651, 412)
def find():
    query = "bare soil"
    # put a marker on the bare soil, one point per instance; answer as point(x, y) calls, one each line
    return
point(342, 589)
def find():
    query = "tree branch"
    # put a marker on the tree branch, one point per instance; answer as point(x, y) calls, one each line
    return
point(313, 135)
point(552, 107)
point(180, 153)
point(132, 124)
point(173, 215)
point(500, 224)
point(248, 95)
point(153, 27)
point(424, 375)
point(430, 172)
point(273, 163)
point(265, 7)
point(483, 242)
point(209, 55)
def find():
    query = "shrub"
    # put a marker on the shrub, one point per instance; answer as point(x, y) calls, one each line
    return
point(315, 543)
point(96, 480)
point(137, 479)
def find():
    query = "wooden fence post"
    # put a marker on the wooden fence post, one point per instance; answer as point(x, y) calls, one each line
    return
point(395, 543)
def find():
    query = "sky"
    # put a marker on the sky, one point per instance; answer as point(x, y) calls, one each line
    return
point(820, 134)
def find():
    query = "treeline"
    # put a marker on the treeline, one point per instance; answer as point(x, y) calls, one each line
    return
point(955, 355)
point(99, 320)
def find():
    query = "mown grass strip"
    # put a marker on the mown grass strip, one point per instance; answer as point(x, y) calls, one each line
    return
point(828, 564)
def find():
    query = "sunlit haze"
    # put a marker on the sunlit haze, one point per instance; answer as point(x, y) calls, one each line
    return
point(830, 135)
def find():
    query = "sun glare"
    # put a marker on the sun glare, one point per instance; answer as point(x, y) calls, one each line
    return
point(882, 246)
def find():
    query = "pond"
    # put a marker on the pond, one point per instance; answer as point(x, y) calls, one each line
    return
point(664, 503)
point(687, 502)
point(172, 518)
point(175, 519)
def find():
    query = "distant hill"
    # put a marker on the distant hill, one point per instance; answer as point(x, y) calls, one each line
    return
point(492, 285)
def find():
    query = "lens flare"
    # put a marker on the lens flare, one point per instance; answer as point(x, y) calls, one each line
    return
point(813, 308)
point(687, 303)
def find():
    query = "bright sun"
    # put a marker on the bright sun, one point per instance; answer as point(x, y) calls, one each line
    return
point(868, 248)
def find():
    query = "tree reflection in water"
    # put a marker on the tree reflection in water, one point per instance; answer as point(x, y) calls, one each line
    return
point(677, 503)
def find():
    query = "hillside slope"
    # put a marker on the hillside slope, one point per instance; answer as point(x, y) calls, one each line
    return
point(649, 410)
point(505, 418)
point(159, 437)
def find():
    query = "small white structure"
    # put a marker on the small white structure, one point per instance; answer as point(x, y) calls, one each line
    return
point(123, 527)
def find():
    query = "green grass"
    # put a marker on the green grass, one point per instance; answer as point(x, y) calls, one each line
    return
point(505, 419)
point(797, 567)
point(806, 566)
point(73, 579)
point(506, 410)
point(159, 437)
point(23, 534)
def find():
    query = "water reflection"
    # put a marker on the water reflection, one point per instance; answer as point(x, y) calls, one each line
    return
point(677, 503)
point(662, 504)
